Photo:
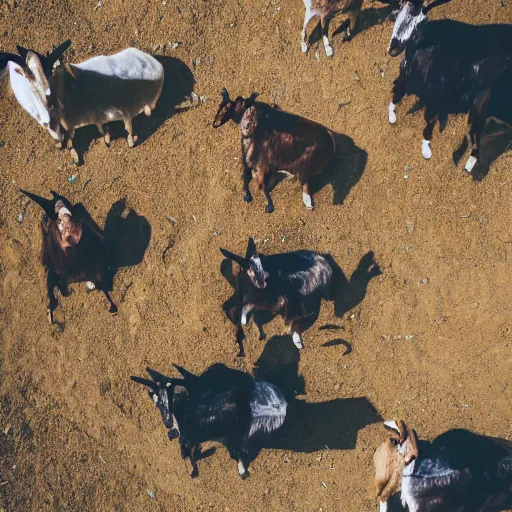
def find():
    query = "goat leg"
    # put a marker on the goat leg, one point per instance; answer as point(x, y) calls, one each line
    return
point(246, 175)
point(129, 128)
point(352, 16)
point(430, 119)
point(265, 189)
point(296, 330)
point(193, 462)
point(399, 91)
point(324, 21)
point(112, 308)
point(72, 150)
point(307, 17)
point(51, 282)
point(477, 122)
point(104, 133)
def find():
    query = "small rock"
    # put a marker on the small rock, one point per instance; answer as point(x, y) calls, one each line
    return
point(175, 45)
point(474, 304)
point(151, 494)
point(324, 485)
point(217, 233)
point(172, 220)
point(317, 55)
point(20, 217)
point(73, 178)
point(2, 144)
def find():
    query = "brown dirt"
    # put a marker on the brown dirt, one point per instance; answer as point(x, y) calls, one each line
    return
point(431, 341)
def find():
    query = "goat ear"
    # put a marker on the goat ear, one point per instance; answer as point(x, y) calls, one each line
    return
point(145, 382)
point(40, 81)
point(237, 259)
point(251, 99)
point(184, 372)
point(225, 95)
point(251, 249)
point(46, 204)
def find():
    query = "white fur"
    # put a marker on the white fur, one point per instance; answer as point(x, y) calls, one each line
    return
point(383, 506)
point(297, 340)
point(407, 497)
point(64, 211)
point(268, 409)
point(241, 468)
point(391, 112)
point(328, 48)
point(470, 163)
point(307, 17)
point(405, 24)
point(392, 425)
point(425, 149)
point(90, 285)
point(175, 423)
point(130, 64)
point(245, 312)
point(29, 101)
point(308, 202)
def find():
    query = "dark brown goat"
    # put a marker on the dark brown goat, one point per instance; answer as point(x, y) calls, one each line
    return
point(273, 140)
point(73, 249)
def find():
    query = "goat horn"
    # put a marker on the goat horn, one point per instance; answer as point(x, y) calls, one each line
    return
point(184, 372)
point(435, 3)
point(145, 382)
point(47, 205)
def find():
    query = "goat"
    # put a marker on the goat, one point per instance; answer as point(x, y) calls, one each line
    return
point(453, 68)
point(459, 470)
point(73, 249)
point(326, 10)
point(220, 405)
point(290, 284)
point(273, 140)
point(97, 91)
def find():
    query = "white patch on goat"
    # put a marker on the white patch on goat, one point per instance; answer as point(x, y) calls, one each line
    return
point(64, 211)
point(383, 506)
point(26, 97)
point(308, 202)
point(316, 277)
point(472, 160)
point(130, 64)
point(425, 149)
point(327, 46)
point(392, 425)
point(297, 340)
point(241, 468)
point(155, 398)
point(392, 113)
point(90, 285)
point(405, 24)
point(175, 424)
point(268, 408)
point(245, 312)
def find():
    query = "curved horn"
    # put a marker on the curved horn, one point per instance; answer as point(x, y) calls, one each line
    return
point(251, 248)
point(184, 372)
point(48, 205)
point(56, 54)
point(145, 382)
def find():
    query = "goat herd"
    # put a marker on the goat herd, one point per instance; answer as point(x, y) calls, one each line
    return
point(450, 66)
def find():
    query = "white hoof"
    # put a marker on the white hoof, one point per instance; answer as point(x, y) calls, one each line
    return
point(329, 51)
point(308, 201)
point(243, 320)
point(90, 285)
point(392, 114)
point(470, 163)
point(297, 340)
point(304, 47)
point(425, 150)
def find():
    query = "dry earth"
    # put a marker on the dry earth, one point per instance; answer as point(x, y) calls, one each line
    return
point(430, 339)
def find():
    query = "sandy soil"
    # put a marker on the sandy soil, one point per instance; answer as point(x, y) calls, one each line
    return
point(430, 339)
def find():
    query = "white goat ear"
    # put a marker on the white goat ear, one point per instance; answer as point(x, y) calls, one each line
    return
point(40, 81)
point(392, 425)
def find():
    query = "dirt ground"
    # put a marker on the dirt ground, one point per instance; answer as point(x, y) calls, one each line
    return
point(429, 339)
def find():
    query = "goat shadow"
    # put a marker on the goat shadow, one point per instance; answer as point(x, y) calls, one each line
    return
point(178, 84)
point(344, 171)
point(366, 19)
point(344, 293)
point(309, 427)
point(496, 141)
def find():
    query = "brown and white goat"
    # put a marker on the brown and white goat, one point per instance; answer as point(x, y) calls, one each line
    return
point(73, 249)
point(102, 89)
point(273, 140)
point(325, 10)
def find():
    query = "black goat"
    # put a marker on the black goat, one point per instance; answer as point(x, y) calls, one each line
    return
point(459, 470)
point(220, 405)
point(73, 249)
point(276, 141)
point(453, 68)
point(291, 284)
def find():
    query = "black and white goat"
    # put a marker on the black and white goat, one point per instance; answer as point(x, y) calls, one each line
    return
point(290, 284)
point(273, 141)
point(73, 249)
point(220, 405)
point(453, 68)
point(99, 90)
point(459, 470)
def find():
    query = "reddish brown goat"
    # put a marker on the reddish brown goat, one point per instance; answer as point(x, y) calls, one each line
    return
point(73, 249)
point(273, 141)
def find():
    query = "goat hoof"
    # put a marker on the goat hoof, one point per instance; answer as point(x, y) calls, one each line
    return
point(58, 145)
point(49, 315)
point(194, 474)
point(241, 354)
point(472, 160)
point(304, 47)
point(74, 157)
point(247, 198)
point(245, 475)
point(269, 208)
point(112, 309)
point(329, 51)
